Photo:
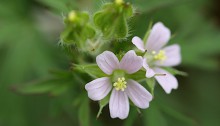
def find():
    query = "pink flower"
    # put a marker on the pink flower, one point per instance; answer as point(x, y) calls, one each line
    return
point(123, 87)
point(158, 56)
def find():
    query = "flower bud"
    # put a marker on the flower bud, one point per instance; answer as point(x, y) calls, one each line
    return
point(112, 19)
point(77, 30)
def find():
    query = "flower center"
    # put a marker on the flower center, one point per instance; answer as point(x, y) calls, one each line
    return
point(120, 84)
point(72, 16)
point(160, 55)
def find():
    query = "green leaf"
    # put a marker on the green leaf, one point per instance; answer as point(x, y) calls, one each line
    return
point(56, 85)
point(154, 117)
point(175, 71)
point(131, 118)
point(39, 87)
point(51, 86)
point(58, 90)
point(148, 32)
point(92, 69)
point(102, 104)
point(59, 5)
point(84, 112)
point(177, 115)
point(61, 74)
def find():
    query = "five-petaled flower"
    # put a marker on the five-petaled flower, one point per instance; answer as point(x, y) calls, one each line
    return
point(158, 56)
point(117, 82)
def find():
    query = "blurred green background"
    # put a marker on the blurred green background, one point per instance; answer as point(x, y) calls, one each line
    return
point(29, 33)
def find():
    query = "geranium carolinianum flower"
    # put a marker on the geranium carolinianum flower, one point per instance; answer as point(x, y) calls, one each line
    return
point(158, 56)
point(118, 83)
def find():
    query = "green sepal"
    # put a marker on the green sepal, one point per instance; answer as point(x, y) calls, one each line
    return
point(92, 69)
point(121, 28)
point(112, 20)
point(81, 18)
point(102, 104)
point(138, 76)
point(88, 31)
point(77, 32)
point(151, 84)
point(128, 10)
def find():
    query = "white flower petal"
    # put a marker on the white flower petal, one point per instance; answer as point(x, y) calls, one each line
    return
point(107, 62)
point(98, 88)
point(149, 72)
point(158, 37)
point(119, 104)
point(131, 63)
point(173, 56)
point(167, 82)
point(138, 94)
point(138, 43)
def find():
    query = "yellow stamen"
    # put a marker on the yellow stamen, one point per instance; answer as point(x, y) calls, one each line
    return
point(160, 55)
point(120, 84)
point(119, 1)
point(72, 15)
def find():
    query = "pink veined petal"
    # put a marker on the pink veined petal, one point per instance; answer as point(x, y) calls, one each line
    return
point(138, 43)
point(149, 72)
point(119, 104)
point(138, 94)
point(131, 63)
point(107, 62)
point(158, 37)
point(173, 56)
point(98, 88)
point(167, 82)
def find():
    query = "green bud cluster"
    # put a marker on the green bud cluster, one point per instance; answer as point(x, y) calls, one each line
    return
point(109, 23)
point(78, 29)
point(112, 20)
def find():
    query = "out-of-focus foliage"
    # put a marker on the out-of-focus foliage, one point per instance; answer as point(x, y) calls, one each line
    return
point(29, 33)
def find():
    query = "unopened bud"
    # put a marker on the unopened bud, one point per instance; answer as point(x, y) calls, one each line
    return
point(119, 1)
point(72, 16)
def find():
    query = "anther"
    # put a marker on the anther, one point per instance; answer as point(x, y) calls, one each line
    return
point(160, 74)
point(120, 84)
